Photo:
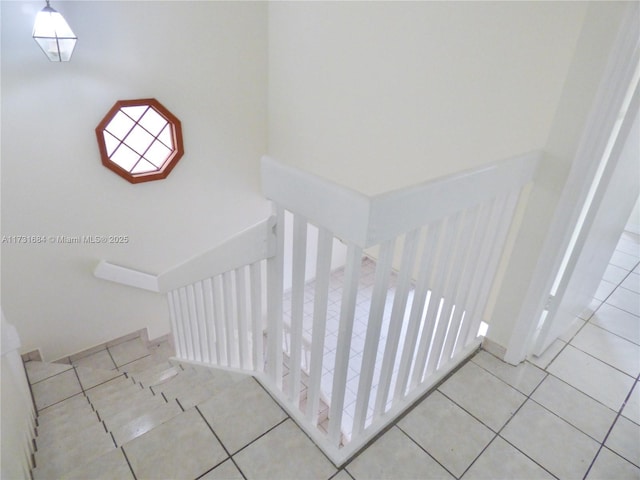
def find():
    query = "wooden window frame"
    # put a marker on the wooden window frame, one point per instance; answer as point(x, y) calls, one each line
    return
point(176, 134)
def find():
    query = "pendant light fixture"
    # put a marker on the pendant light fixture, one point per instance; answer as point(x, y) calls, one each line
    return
point(53, 34)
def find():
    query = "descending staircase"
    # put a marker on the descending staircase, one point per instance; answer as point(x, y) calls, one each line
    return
point(91, 421)
point(78, 436)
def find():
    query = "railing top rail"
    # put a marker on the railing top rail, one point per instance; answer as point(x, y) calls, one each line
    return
point(370, 220)
point(249, 246)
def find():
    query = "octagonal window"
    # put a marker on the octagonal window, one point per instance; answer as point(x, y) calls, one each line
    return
point(140, 140)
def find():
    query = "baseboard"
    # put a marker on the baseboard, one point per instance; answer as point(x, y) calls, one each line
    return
point(141, 334)
point(34, 355)
point(494, 348)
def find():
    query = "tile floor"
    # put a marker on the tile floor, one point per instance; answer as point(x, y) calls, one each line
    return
point(573, 413)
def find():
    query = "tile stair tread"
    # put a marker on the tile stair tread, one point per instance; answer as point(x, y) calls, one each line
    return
point(63, 446)
point(108, 407)
point(137, 408)
point(56, 465)
point(99, 400)
point(201, 392)
point(63, 410)
point(145, 422)
point(110, 386)
point(149, 371)
point(181, 380)
point(56, 430)
point(38, 371)
point(155, 378)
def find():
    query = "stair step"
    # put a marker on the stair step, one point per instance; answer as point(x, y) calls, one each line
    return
point(184, 379)
point(200, 392)
point(90, 377)
point(100, 400)
point(60, 457)
point(61, 412)
point(54, 431)
point(117, 402)
point(108, 387)
point(37, 371)
point(75, 437)
point(109, 466)
point(131, 412)
point(149, 378)
point(146, 422)
point(55, 465)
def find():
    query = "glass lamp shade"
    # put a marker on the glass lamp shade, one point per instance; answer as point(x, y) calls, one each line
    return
point(53, 34)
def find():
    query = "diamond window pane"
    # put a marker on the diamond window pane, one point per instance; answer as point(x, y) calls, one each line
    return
point(153, 121)
point(125, 157)
point(144, 167)
point(120, 125)
point(110, 142)
point(166, 136)
point(135, 112)
point(139, 140)
point(158, 154)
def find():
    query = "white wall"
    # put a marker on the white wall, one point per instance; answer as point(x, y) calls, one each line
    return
point(380, 95)
point(207, 63)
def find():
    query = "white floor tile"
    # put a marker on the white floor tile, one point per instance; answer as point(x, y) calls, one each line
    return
point(632, 282)
point(632, 408)
point(550, 441)
point(624, 439)
point(450, 435)
point(237, 423)
point(284, 453)
point(614, 274)
point(625, 300)
point(604, 290)
point(623, 260)
point(394, 456)
point(610, 348)
point(609, 466)
point(524, 377)
point(591, 376)
point(619, 322)
point(225, 471)
point(182, 448)
point(502, 461)
point(580, 410)
point(483, 395)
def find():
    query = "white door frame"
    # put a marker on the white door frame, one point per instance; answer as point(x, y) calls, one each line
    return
point(602, 119)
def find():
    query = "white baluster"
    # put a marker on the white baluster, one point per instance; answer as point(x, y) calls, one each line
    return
point(256, 316)
point(230, 319)
point(431, 245)
point(243, 323)
point(202, 322)
point(318, 332)
point(274, 304)
point(374, 326)
point(221, 334)
point(345, 331)
point(397, 316)
point(214, 353)
point(297, 305)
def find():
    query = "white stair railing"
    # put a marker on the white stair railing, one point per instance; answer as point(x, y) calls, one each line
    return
point(440, 241)
point(370, 348)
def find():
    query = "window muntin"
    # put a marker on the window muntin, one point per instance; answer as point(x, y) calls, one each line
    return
point(140, 140)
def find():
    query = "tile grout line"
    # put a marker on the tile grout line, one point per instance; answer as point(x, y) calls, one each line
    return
point(615, 420)
point(497, 433)
point(229, 456)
